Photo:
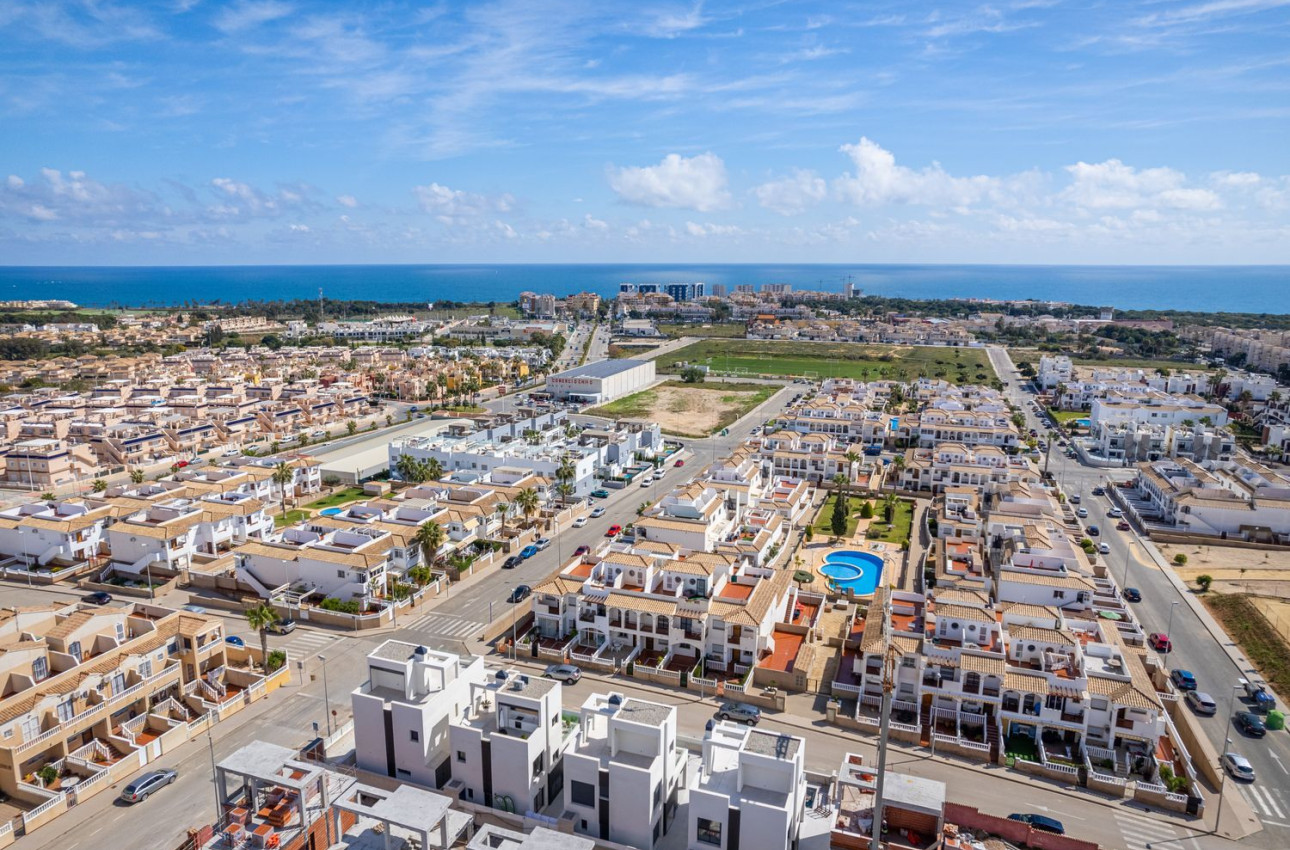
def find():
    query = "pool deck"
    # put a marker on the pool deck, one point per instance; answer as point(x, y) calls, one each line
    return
point(814, 554)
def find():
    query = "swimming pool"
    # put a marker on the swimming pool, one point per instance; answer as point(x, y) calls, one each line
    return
point(851, 570)
point(1087, 423)
point(330, 512)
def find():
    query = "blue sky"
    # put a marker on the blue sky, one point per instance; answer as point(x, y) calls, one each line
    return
point(281, 131)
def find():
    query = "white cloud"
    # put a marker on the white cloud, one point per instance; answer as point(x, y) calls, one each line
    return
point(879, 180)
point(592, 223)
point(249, 14)
point(709, 229)
point(454, 206)
point(792, 195)
point(1114, 185)
point(694, 183)
point(347, 201)
point(1236, 179)
point(237, 198)
point(669, 23)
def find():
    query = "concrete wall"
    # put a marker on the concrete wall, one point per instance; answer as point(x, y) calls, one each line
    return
point(1013, 831)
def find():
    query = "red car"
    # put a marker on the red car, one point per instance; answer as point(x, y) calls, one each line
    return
point(1123, 525)
point(614, 530)
point(581, 550)
point(1160, 642)
point(679, 463)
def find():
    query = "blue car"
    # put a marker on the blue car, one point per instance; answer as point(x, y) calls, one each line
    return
point(1183, 680)
point(234, 640)
point(528, 552)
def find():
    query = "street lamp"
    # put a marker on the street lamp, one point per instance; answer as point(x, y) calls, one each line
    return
point(326, 694)
point(1227, 743)
point(1169, 629)
point(514, 616)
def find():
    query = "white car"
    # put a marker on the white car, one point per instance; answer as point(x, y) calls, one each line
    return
point(1082, 513)
point(1238, 767)
point(580, 522)
point(1115, 513)
point(646, 481)
point(1104, 548)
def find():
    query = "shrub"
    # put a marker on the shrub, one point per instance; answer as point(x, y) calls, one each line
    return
point(866, 510)
point(802, 577)
point(1180, 559)
point(48, 774)
point(276, 659)
point(349, 606)
point(1203, 581)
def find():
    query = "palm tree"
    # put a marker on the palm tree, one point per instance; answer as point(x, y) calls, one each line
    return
point(430, 537)
point(99, 485)
point(433, 469)
point(889, 503)
point(528, 502)
point(565, 489)
point(410, 469)
point(502, 509)
point(283, 476)
point(48, 496)
point(260, 618)
point(136, 476)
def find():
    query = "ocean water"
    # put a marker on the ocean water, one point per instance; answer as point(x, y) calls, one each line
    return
point(1256, 289)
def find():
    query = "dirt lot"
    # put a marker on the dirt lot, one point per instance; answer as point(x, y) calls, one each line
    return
point(1277, 611)
point(689, 410)
point(1252, 570)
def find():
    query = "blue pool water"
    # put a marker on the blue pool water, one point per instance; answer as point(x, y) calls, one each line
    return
point(1087, 423)
point(858, 572)
point(330, 511)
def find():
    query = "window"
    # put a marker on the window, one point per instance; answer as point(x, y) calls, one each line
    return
point(461, 756)
point(74, 649)
point(658, 793)
point(145, 668)
point(39, 668)
point(709, 832)
point(537, 765)
point(582, 793)
point(416, 736)
point(340, 574)
point(120, 631)
point(66, 711)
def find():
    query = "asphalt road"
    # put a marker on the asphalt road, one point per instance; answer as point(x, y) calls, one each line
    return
point(1195, 648)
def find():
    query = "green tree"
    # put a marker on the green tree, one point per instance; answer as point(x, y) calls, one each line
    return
point(429, 538)
point(1203, 581)
point(420, 575)
point(889, 505)
point(838, 520)
point(1180, 559)
point(410, 469)
point(866, 510)
point(351, 427)
point(283, 476)
point(693, 374)
point(528, 502)
point(99, 485)
point(48, 496)
point(261, 618)
point(136, 476)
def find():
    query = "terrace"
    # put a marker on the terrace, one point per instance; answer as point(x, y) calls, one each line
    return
point(784, 656)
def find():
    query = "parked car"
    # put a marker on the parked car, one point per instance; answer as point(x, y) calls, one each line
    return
point(1160, 642)
point(567, 673)
point(1099, 491)
point(1115, 513)
point(740, 713)
point(528, 552)
point(658, 474)
point(512, 562)
point(1104, 548)
point(1075, 499)
point(519, 594)
point(1238, 767)
point(282, 627)
point(580, 522)
point(194, 609)
point(1201, 702)
point(1123, 525)
point(1132, 594)
point(1093, 531)
point(1183, 680)
point(139, 790)
point(597, 513)
point(1040, 822)
point(647, 480)
point(1250, 723)
point(600, 494)
point(1082, 513)
point(581, 550)
point(234, 640)
point(614, 530)
point(542, 543)
point(99, 597)
point(679, 463)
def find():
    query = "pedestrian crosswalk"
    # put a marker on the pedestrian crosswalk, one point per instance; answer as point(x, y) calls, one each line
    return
point(304, 642)
point(446, 625)
point(1141, 832)
point(1267, 802)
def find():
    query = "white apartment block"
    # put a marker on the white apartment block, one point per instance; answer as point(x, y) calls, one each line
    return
point(313, 557)
point(1054, 370)
point(67, 532)
point(971, 428)
point(953, 464)
point(1244, 501)
point(507, 746)
point(1156, 408)
point(1128, 443)
point(624, 771)
point(403, 712)
point(749, 790)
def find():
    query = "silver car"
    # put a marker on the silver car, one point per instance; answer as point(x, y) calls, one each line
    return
point(138, 790)
point(567, 673)
point(739, 713)
point(1238, 767)
point(1201, 702)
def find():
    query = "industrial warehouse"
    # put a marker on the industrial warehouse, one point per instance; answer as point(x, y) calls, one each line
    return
point(597, 383)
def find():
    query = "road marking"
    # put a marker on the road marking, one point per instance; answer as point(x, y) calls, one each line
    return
point(1277, 759)
point(448, 625)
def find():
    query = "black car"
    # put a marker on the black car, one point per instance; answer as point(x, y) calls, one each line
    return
point(1250, 723)
point(1099, 491)
point(1042, 822)
point(520, 593)
point(1132, 594)
point(512, 562)
point(99, 597)
point(1093, 531)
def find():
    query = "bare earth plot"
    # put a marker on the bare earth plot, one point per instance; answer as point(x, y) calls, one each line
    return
point(688, 410)
point(1233, 569)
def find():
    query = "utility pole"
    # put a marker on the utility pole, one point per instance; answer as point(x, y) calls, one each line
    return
point(889, 668)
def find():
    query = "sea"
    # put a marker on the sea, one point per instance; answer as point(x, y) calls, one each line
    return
point(1250, 289)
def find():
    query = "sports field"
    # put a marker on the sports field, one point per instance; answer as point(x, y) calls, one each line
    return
point(833, 359)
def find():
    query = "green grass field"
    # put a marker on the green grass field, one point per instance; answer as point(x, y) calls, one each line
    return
point(289, 518)
point(823, 525)
point(1064, 416)
point(901, 523)
point(829, 359)
point(340, 497)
